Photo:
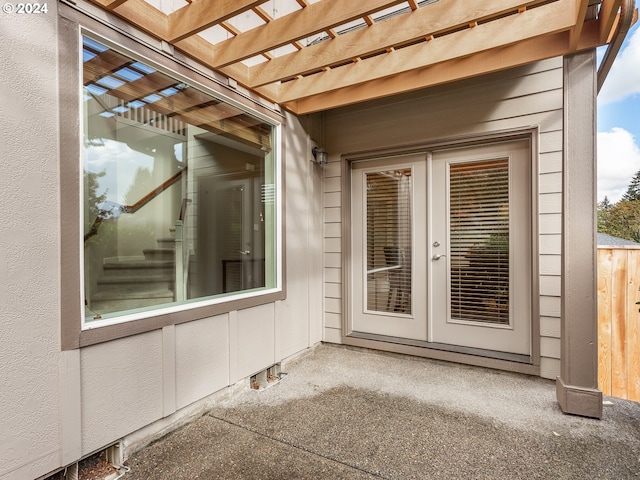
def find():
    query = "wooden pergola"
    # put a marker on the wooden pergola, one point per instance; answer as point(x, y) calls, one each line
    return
point(313, 55)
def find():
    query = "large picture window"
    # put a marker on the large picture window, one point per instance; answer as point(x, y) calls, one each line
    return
point(180, 192)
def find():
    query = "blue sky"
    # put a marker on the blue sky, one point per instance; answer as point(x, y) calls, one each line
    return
point(619, 121)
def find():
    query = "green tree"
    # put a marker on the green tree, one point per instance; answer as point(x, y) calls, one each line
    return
point(621, 220)
point(633, 190)
point(605, 204)
point(603, 213)
point(94, 199)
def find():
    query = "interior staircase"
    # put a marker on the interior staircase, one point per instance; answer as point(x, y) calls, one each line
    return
point(136, 281)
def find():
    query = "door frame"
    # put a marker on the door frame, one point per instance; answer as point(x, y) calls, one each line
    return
point(529, 364)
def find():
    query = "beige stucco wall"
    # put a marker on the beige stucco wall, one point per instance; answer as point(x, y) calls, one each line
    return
point(530, 96)
point(29, 262)
point(56, 406)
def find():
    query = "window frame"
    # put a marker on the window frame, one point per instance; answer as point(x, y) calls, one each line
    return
point(75, 332)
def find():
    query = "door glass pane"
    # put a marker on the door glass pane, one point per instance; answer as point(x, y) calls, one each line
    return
point(479, 241)
point(388, 238)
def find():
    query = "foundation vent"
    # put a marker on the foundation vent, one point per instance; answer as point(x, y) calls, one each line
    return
point(266, 378)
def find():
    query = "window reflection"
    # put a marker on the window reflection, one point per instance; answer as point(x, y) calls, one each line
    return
point(175, 207)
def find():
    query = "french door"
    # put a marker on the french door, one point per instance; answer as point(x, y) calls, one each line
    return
point(388, 222)
point(441, 247)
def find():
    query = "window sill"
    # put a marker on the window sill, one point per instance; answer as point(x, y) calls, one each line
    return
point(107, 333)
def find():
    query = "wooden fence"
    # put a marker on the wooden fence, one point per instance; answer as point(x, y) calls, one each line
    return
point(619, 322)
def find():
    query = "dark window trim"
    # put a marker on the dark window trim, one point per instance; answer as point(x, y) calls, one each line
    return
point(70, 26)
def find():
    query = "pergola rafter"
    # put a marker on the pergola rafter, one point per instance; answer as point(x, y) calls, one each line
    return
point(335, 48)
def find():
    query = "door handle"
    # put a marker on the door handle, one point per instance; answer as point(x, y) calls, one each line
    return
point(438, 256)
point(244, 252)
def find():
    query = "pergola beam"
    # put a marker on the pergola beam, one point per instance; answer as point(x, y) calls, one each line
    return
point(144, 16)
point(581, 7)
point(199, 49)
point(382, 54)
point(607, 17)
point(202, 14)
point(300, 24)
point(425, 21)
point(544, 20)
point(522, 53)
point(110, 4)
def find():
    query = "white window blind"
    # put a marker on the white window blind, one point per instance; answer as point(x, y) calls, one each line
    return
point(479, 241)
point(388, 249)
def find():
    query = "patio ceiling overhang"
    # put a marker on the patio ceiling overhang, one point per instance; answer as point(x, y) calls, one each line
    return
point(313, 55)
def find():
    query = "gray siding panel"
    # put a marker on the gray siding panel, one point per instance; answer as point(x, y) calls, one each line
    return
point(519, 98)
point(202, 359)
point(122, 388)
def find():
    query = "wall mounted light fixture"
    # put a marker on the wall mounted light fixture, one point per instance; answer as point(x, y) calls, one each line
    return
point(320, 155)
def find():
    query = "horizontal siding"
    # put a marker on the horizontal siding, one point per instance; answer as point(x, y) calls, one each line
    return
point(550, 182)
point(550, 285)
point(550, 327)
point(550, 162)
point(332, 309)
point(332, 335)
point(332, 214)
point(550, 244)
point(332, 320)
point(332, 199)
point(518, 98)
point(333, 290)
point(550, 265)
point(333, 275)
point(332, 184)
point(550, 203)
point(550, 223)
point(333, 260)
point(549, 306)
point(550, 347)
point(333, 230)
point(550, 249)
point(551, 142)
point(549, 367)
point(333, 245)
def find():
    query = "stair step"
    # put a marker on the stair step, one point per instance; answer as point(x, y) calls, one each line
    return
point(130, 282)
point(159, 253)
point(167, 242)
point(129, 295)
point(140, 268)
point(103, 302)
point(138, 283)
point(120, 278)
point(133, 264)
point(144, 271)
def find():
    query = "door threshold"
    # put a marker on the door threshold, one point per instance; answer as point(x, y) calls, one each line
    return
point(478, 352)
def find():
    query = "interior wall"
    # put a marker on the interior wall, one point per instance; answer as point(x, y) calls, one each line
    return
point(518, 98)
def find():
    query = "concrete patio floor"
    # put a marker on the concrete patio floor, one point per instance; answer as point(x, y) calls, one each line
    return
point(349, 413)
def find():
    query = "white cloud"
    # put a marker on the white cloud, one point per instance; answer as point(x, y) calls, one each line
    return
point(623, 79)
point(120, 163)
point(618, 161)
